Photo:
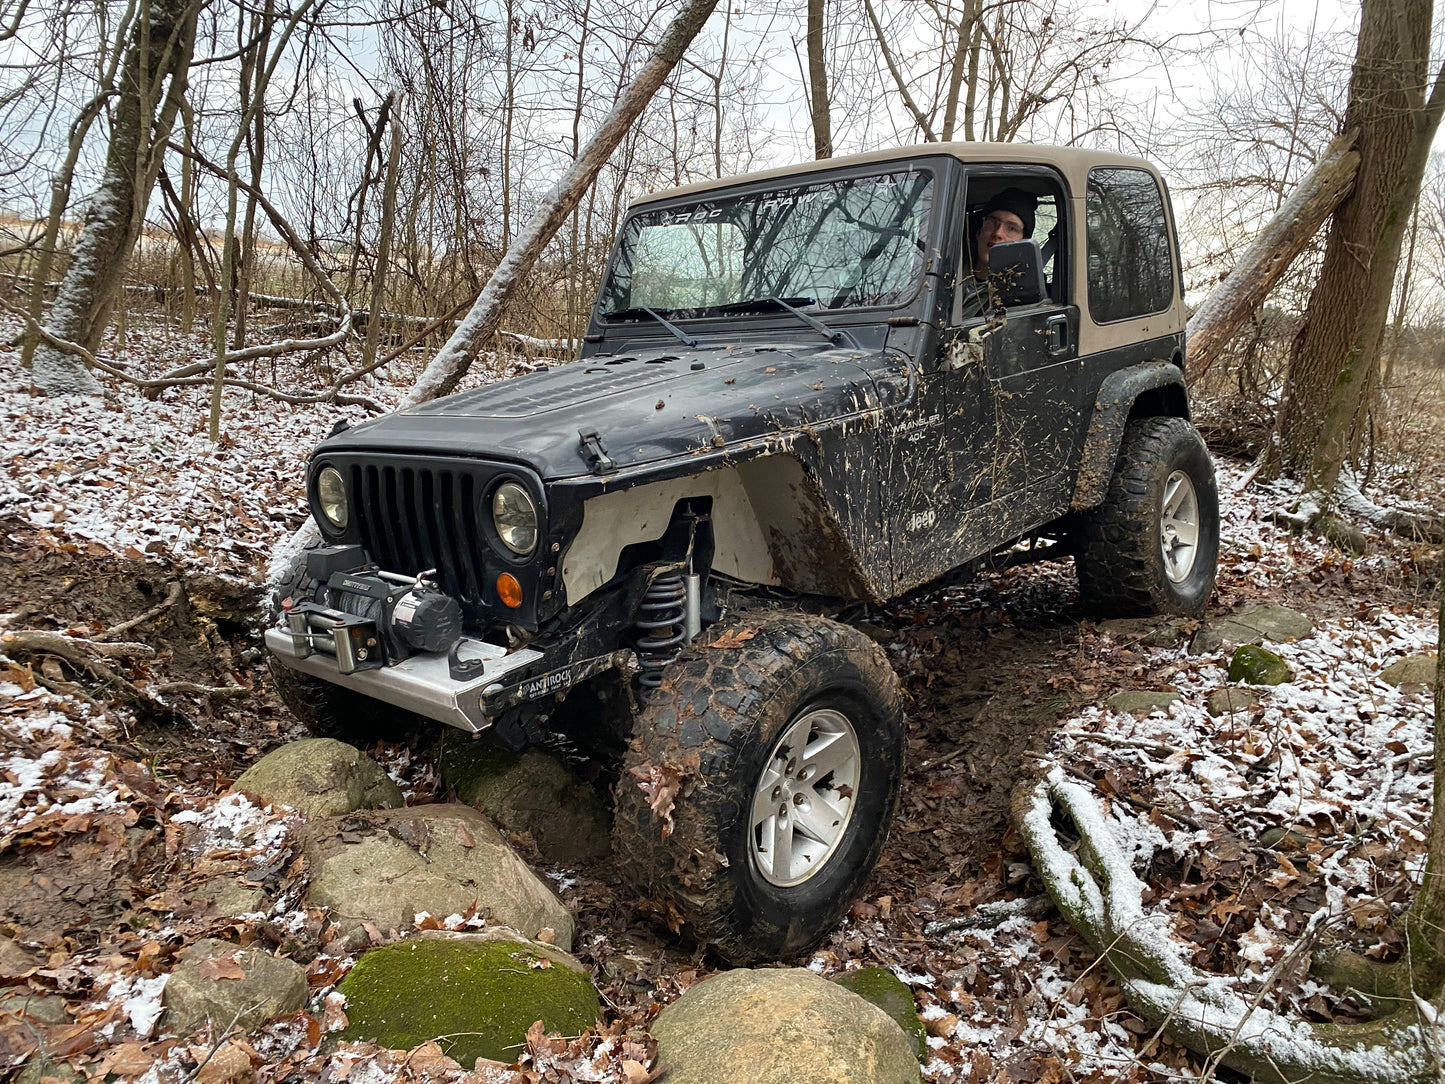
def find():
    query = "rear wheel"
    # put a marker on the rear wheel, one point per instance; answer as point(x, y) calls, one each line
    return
point(1153, 545)
point(327, 710)
point(760, 782)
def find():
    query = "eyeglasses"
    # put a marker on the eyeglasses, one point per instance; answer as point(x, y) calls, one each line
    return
point(1007, 227)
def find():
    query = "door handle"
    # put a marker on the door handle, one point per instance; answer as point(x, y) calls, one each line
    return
point(1058, 333)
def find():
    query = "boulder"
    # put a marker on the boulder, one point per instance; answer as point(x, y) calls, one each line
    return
point(1257, 665)
point(528, 792)
point(1141, 700)
point(780, 1026)
point(320, 776)
point(222, 984)
point(1414, 670)
point(1148, 631)
point(383, 867)
point(476, 996)
point(881, 987)
point(1266, 621)
point(1205, 642)
point(1227, 701)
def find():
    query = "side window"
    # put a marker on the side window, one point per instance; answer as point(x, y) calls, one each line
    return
point(1036, 202)
point(1131, 272)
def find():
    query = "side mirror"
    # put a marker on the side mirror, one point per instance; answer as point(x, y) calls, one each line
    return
point(1016, 272)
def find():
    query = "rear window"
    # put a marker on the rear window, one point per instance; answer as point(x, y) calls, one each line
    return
point(1131, 272)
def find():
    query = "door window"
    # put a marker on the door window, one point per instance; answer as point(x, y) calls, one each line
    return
point(1131, 272)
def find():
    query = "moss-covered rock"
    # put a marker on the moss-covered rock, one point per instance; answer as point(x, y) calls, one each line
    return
point(528, 792)
point(883, 988)
point(1228, 700)
point(320, 776)
point(476, 997)
point(1257, 665)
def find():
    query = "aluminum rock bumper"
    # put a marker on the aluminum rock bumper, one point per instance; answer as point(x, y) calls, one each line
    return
point(422, 684)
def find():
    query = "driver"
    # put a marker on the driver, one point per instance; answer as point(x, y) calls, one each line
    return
point(1007, 216)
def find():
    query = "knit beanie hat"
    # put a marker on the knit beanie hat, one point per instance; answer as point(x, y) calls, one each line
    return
point(1016, 201)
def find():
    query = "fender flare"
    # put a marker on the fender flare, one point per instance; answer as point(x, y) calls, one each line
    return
point(1113, 408)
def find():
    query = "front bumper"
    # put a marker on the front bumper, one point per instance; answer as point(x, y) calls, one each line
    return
point(422, 683)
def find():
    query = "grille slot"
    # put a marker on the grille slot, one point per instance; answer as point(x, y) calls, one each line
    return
point(417, 518)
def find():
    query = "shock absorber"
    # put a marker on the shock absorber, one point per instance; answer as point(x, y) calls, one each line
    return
point(661, 619)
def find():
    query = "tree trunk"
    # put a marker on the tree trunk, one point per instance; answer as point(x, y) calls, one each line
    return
point(160, 49)
point(1269, 255)
point(1345, 320)
point(457, 354)
point(818, 101)
point(1398, 326)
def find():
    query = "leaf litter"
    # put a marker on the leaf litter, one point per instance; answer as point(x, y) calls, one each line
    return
point(1242, 825)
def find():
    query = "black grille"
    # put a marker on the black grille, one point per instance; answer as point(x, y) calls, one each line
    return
point(417, 518)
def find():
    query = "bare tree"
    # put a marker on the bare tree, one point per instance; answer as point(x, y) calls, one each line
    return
point(1331, 368)
point(151, 89)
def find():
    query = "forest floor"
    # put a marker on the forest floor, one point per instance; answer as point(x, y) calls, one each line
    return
point(1242, 824)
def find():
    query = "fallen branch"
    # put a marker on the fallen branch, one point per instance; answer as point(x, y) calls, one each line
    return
point(1418, 526)
point(1099, 893)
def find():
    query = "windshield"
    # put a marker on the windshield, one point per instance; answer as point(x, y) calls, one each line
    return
point(834, 244)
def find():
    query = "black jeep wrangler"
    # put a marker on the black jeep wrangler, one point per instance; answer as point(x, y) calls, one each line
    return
point(798, 392)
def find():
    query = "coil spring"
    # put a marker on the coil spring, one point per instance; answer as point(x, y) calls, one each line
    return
point(660, 617)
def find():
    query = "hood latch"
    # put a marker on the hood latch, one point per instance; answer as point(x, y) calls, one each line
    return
point(594, 454)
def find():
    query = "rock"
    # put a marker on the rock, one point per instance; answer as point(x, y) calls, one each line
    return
point(46, 1008)
point(222, 984)
point(780, 1026)
point(320, 776)
point(1414, 670)
point(40, 1068)
point(1227, 701)
point(881, 987)
point(528, 792)
point(1205, 642)
point(477, 997)
point(1287, 839)
point(1141, 700)
point(230, 897)
point(1257, 665)
point(1267, 621)
point(1148, 631)
point(385, 866)
point(16, 961)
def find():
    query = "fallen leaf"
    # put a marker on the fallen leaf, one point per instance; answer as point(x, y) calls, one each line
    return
point(942, 1026)
point(734, 638)
point(129, 1059)
point(465, 837)
point(547, 935)
point(230, 1064)
point(634, 1072)
point(50, 667)
point(222, 967)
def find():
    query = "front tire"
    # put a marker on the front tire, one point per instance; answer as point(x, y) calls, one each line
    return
point(760, 783)
point(1153, 545)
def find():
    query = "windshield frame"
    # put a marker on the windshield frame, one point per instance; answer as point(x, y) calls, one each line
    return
point(937, 168)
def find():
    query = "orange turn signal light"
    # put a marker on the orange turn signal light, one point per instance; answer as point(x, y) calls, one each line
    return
point(509, 590)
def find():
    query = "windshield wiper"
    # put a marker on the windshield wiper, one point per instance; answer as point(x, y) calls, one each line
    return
point(757, 304)
point(642, 310)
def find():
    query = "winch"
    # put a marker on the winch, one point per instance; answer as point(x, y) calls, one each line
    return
point(370, 617)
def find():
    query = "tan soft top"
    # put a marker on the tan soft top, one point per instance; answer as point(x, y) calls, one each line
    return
point(1073, 162)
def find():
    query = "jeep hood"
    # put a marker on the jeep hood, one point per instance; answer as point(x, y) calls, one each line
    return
point(645, 405)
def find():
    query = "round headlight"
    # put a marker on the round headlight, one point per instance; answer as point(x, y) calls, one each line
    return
point(331, 496)
point(515, 517)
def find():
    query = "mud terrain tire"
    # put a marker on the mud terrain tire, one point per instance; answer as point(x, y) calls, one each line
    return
point(327, 710)
point(738, 705)
point(1163, 479)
